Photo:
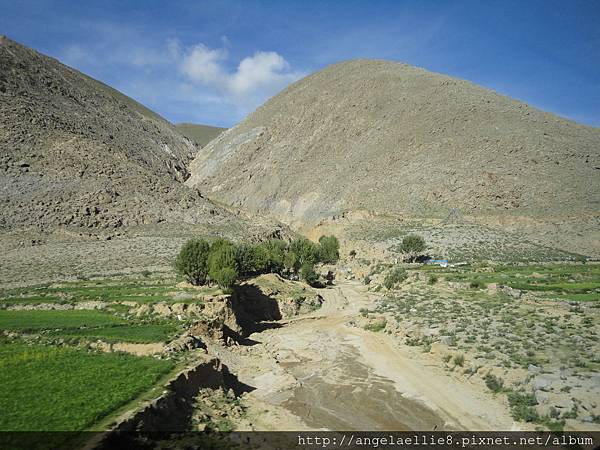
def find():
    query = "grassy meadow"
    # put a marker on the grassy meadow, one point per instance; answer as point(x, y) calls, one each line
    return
point(66, 389)
point(51, 378)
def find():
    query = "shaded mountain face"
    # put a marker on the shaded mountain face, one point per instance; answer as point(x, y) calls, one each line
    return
point(392, 139)
point(75, 152)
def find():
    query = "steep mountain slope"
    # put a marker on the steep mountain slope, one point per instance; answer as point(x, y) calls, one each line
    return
point(390, 139)
point(75, 152)
point(200, 134)
point(92, 182)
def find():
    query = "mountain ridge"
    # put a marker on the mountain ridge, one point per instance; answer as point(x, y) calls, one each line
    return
point(76, 152)
point(390, 138)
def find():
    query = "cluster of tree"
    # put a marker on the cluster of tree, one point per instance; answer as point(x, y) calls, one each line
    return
point(224, 262)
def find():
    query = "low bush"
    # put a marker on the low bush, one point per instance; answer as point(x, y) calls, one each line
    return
point(396, 275)
point(522, 407)
point(459, 360)
point(493, 383)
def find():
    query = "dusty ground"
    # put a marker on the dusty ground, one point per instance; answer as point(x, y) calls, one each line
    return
point(321, 371)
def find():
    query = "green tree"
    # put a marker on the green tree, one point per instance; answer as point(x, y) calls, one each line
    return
point(220, 242)
point(222, 256)
point(275, 254)
point(412, 246)
point(329, 249)
point(305, 250)
point(246, 260)
point(308, 274)
point(192, 261)
point(291, 261)
point(261, 259)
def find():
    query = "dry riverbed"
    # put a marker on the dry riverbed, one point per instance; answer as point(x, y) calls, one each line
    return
point(321, 371)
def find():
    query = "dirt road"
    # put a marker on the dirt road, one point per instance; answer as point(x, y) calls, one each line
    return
point(322, 372)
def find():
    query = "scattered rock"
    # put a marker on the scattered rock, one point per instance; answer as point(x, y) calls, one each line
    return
point(511, 292)
point(184, 343)
point(447, 340)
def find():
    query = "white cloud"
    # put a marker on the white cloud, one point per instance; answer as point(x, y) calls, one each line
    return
point(168, 76)
point(255, 79)
point(203, 65)
point(259, 71)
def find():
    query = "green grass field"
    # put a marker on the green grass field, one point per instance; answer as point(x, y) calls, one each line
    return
point(47, 320)
point(44, 386)
point(50, 388)
point(106, 290)
point(561, 281)
point(136, 333)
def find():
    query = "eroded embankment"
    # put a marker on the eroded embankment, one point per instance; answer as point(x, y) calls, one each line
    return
point(323, 371)
point(174, 409)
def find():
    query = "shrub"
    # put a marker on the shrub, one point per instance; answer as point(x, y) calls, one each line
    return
point(477, 284)
point(375, 326)
point(432, 279)
point(192, 261)
point(329, 249)
point(352, 253)
point(396, 275)
point(522, 407)
point(493, 383)
point(412, 246)
point(459, 360)
point(222, 256)
point(308, 274)
point(225, 277)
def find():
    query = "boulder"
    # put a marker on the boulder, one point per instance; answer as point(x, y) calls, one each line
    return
point(447, 340)
point(542, 383)
point(511, 292)
point(183, 343)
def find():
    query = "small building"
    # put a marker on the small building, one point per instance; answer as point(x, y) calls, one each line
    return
point(437, 262)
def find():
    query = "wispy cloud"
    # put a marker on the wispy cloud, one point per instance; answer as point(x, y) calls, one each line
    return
point(167, 72)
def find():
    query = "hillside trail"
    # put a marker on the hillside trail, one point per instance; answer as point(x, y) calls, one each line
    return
point(320, 371)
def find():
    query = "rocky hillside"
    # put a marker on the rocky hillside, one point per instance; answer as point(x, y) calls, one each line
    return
point(388, 138)
point(75, 152)
point(199, 134)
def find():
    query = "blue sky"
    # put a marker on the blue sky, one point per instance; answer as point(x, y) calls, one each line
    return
point(213, 62)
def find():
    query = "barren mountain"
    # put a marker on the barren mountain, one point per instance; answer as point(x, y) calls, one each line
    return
point(75, 152)
point(90, 180)
point(199, 134)
point(390, 139)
